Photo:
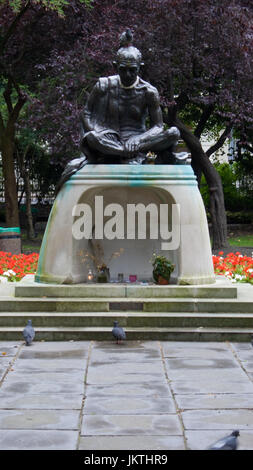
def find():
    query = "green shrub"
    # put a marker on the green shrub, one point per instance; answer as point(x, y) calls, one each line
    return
point(236, 198)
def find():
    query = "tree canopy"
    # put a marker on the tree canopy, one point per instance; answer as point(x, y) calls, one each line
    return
point(196, 52)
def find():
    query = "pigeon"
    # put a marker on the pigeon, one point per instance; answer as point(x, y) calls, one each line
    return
point(28, 333)
point(126, 38)
point(226, 443)
point(118, 332)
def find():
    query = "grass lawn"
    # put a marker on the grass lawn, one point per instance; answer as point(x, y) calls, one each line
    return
point(241, 240)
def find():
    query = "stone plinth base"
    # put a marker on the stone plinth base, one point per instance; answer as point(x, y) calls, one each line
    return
point(121, 215)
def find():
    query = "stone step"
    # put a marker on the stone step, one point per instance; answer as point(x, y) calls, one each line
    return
point(126, 319)
point(126, 291)
point(190, 305)
point(104, 334)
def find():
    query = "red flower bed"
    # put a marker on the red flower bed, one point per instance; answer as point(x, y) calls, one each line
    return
point(15, 267)
point(236, 267)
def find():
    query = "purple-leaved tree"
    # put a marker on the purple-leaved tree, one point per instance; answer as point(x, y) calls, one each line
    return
point(196, 52)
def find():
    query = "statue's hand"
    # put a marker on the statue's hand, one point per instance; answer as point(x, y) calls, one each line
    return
point(132, 146)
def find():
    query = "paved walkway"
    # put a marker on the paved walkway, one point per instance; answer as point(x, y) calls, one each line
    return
point(134, 396)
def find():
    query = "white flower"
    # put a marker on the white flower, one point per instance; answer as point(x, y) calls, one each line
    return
point(9, 273)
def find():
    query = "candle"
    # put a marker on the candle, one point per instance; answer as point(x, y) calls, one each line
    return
point(90, 276)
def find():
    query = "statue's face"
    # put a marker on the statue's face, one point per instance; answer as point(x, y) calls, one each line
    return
point(128, 73)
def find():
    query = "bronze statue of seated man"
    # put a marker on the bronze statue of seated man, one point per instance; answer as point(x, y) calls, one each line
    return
point(114, 121)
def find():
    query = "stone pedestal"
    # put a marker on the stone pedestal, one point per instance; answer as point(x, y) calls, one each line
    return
point(94, 214)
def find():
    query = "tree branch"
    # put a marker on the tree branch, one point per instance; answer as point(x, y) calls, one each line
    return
point(15, 114)
point(13, 26)
point(220, 141)
point(7, 96)
point(203, 120)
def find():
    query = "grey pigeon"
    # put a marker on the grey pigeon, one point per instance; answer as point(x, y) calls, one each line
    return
point(126, 38)
point(29, 333)
point(226, 443)
point(118, 332)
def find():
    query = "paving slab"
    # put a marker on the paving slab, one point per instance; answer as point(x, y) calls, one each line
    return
point(181, 346)
point(220, 401)
point(25, 375)
point(8, 348)
point(132, 443)
point(126, 373)
point(59, 401)
point(38, 440)
point(128, 405)
point(211, 385)
point(66, 366)
point(125, 355)
point(131, 424)
point(218, 419)
point(200, 364)
point(39, 419)
point(202, 374)
point(15, 386)
point(58, 348)
point(146, 389)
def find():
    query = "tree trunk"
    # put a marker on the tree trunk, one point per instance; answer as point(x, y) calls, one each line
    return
point(27, 187)
point(201, 163)
point(10, 186)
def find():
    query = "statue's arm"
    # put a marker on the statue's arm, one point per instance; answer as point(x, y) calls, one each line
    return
point(155, 112)
point(89, 116)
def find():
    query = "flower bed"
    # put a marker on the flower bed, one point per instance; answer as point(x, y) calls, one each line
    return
point(234, 266)
point(15, 267)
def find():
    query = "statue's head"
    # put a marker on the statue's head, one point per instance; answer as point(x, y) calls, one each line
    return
point(128, 60)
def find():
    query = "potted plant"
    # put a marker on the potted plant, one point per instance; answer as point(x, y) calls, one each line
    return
point(162, 269)
point(103, 273)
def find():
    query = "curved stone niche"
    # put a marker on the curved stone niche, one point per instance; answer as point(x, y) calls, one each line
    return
point(122, 214)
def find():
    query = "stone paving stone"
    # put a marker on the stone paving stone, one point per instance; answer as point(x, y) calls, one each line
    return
point(209, 374)
point(38, 440)
point(201, 440)
point(13, 385)
point(242, 346)
point(148, 389)
point(54, 349)
point(215, 401)
point(8, 348)
point(132, 443)
point(130, 372)
point(68, 401)
point(51, 365)
point(212, 385)
point(113, 425)
point(128, 405)
point(201, 364)
point(188, 348)
point(218, 419)
point(39, 419)
point(103, 357)
point(39, 377)
point(129, 345)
